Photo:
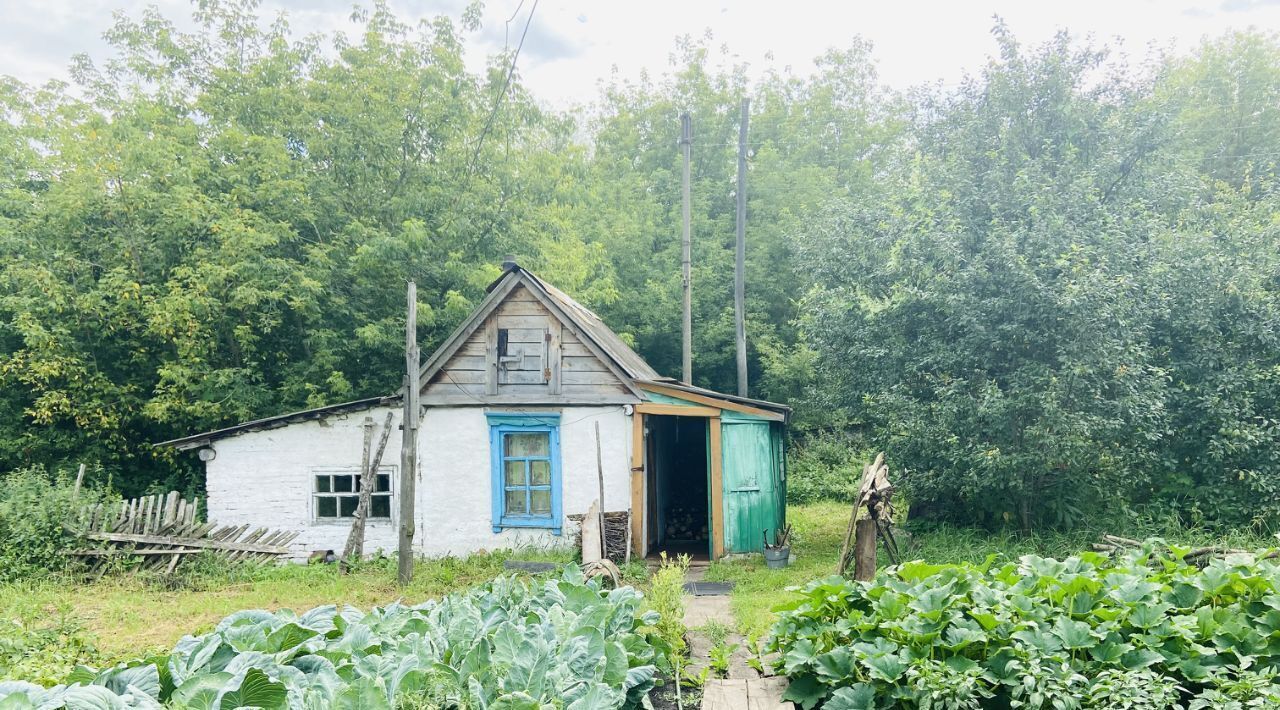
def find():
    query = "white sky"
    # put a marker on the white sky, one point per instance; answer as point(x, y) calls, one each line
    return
point(573, 44)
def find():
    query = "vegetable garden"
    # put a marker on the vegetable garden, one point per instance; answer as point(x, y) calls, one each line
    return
point(1144, 630)
point(507, 644)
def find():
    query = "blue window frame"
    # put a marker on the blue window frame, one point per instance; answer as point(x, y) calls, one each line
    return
point(525, 449)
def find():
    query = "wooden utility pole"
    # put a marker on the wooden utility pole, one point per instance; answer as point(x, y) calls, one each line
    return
point(409, 439)
point(686, 360)
point(739, 272)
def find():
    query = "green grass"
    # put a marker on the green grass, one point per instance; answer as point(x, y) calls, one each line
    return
point(48, 626)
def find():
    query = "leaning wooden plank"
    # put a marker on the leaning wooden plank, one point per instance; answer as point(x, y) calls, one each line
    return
point(188, 542)
point(117, 551)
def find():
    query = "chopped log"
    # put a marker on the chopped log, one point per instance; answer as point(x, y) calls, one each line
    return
point(864, 550)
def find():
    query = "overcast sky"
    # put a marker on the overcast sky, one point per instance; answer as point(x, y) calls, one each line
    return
point(573, 44)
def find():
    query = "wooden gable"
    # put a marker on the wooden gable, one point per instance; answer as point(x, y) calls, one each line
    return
point(524, 353)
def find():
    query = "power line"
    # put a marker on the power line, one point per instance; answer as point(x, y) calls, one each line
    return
point(511, 70)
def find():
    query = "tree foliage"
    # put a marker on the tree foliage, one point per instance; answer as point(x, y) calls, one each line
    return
point(1055, 309)
point(1048, 290)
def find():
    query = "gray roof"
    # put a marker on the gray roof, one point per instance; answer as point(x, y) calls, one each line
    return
point(196, 441)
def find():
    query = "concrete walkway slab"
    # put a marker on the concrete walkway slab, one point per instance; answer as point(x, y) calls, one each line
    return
point(757, 694)
point(699, 610)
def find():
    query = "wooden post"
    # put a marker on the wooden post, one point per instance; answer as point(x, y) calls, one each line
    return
point(864, 550)
point(409, 440)
point(368, 483)
point(739, 271)
point(79, 482)
point(686, 330)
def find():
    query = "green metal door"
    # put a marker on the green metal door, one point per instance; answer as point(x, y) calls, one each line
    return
point(752, 485)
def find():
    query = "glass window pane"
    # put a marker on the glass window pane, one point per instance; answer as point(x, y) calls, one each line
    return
point(540, 473)
point(322, 484)
point(536, 443)
point(327, 507)
point(516, 503)
point(381, 507)
point(384, 483)
point(540, 502)
point(514, 473)
point(343, 484)
point(347, 506)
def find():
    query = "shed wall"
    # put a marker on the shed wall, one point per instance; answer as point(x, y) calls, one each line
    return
point(265, 477)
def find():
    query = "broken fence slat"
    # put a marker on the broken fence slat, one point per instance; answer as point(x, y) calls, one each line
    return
point(111, 551)
point(188, 542)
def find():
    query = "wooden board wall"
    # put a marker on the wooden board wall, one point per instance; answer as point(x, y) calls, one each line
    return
point(549, 363)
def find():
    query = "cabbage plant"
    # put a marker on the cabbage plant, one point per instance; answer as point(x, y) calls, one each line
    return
point(509, 645)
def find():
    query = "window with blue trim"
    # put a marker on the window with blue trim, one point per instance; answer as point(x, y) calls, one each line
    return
point(526, 470)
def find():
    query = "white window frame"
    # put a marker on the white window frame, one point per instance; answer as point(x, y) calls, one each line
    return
point(388, 470)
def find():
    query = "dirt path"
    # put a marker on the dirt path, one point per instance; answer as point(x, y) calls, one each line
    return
point(710, 623)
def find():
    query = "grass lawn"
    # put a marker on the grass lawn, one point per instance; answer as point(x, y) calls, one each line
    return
point(48, 627)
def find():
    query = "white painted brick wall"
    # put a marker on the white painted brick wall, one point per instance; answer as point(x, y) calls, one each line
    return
point(265, 478)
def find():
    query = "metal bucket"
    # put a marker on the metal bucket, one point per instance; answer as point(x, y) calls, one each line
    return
point(777, 557)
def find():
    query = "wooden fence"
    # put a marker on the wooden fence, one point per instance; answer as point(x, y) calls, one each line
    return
point(160, 530)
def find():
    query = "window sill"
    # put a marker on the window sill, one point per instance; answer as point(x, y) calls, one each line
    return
point(527, 524)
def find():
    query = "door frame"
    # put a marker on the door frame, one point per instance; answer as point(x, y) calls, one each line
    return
point(639, 473)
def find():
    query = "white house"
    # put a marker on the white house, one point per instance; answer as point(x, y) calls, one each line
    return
point(507, 448)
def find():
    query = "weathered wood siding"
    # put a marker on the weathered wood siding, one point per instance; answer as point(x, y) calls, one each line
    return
point(545, 362)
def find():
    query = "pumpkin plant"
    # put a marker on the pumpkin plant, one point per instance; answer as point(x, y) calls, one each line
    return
point(1144, 630)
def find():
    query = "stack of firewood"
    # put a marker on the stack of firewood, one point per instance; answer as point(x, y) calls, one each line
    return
point(686, 524)
point(615, 534)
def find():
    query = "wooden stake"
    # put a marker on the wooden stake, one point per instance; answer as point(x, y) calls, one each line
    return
point(409, 440)
point(864, 551)
point(79, 482)
point(604, 539)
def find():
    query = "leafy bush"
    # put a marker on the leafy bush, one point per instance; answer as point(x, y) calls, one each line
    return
point(506, 644)
point(33, 507)
point(1143, 631)
point(824, 466)
point(44, 653)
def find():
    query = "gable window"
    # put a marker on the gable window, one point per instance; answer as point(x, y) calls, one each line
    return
point(335, 494)
point(525, 450)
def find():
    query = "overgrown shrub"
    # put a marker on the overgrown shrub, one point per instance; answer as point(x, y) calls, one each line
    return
point(1144, 631)
point(825, 466)
point(34, 505)
point(562, 643)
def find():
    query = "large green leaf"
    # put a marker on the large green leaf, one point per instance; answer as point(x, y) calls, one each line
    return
point(805, 691)
point(253, 688)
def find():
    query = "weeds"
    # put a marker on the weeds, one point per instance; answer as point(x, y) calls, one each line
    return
point(666, 596)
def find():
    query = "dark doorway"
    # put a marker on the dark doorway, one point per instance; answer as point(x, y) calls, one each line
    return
point(678, 486)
